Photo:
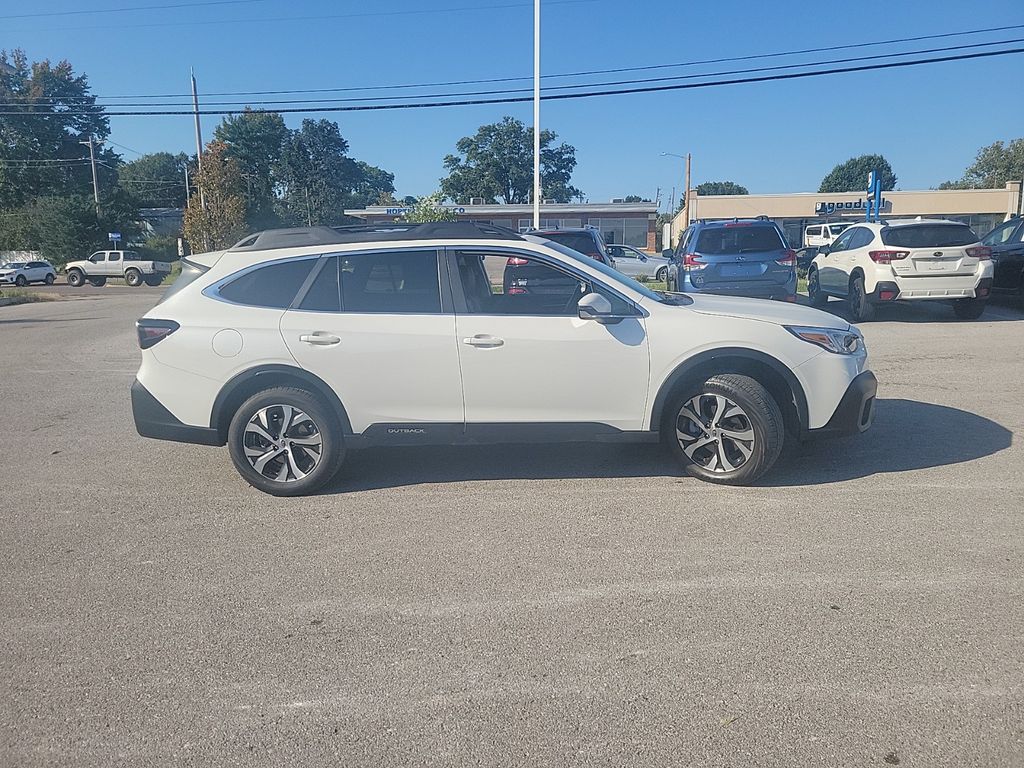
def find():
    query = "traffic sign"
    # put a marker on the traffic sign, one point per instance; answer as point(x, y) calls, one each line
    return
point(114, 236)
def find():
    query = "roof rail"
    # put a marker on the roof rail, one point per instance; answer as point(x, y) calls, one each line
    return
point(300, 237)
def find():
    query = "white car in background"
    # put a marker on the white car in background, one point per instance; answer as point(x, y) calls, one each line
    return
point(22, 273)
point(818, 235)
point(295, 346)
point(635, 263)
point(912, 260)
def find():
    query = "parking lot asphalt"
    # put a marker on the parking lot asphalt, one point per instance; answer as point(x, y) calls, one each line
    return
point(580, 605)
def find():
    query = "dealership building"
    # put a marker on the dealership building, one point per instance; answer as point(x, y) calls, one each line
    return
point(630, 223)
point(982, 209)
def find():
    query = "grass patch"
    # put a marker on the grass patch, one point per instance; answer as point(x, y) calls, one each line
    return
point(171, 276)
point(11, 296)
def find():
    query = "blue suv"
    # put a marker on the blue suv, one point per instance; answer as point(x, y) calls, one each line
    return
point(740, 257)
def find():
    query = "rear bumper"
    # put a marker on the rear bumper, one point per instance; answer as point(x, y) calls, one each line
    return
point(856, 410)
point(756, 289)
point(936, 287)
point(153, 420)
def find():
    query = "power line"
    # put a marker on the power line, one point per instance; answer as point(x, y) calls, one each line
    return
point(135, 8)
point(775, 54)
point(587, 94)
point(779, 67)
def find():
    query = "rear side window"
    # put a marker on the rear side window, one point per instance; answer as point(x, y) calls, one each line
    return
point(273, 286)
point(390, 281)
point(742, 239)
point(929, 235)
point(576, 240)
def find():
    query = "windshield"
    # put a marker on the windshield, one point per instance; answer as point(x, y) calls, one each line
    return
point(742, 239)
point(837, 229)
point(929, 235)
point(614, 275)
point(14, 265)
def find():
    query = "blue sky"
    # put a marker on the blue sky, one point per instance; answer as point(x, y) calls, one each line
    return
point(771, 137)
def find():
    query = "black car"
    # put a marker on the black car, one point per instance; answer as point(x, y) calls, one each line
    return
point(1007, 244)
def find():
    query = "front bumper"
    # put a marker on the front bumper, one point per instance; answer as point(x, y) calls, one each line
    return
point(153, 420)
point(8, 278)
point(856, 410)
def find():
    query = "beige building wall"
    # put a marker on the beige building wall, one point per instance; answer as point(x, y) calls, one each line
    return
point(836, 206)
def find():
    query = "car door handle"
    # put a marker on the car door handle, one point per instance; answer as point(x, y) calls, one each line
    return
point(483, 340)
point(319, 339)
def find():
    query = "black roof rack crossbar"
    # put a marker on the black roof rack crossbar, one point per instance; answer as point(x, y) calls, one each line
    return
point(299, 237)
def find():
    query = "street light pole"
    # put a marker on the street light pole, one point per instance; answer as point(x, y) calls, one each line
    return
point(536, 114)
point(686, 194)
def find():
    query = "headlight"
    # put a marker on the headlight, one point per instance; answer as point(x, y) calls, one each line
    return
point(839, 342)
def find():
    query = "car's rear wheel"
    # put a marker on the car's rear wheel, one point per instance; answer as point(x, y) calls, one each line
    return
point(50, 278)
point(861, 308)
point(286, 442)
point(133, 277)
point(727, 429)
point(153, 282)
point(98, 282)
point(969, 309)
point(20, 281)
point(661, 275)
point(76, 278)
point(814, 294)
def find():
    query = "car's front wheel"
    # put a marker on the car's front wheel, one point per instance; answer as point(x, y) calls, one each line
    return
point(814, 293)
point(969, 309)
point(727, 430)
point(76, 278)
point(286, 442)
point(20, 281)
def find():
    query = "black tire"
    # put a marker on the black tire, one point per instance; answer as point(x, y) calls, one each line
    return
point(50, 278)
point(760, 417)
point(133, 277)
point(97, 282)
point(861, 309)
point(814, 293)
point(662, 275)
point(76, 278)
point(153, 282)
point(20, 281)
point(320, 421)
point(969, 309)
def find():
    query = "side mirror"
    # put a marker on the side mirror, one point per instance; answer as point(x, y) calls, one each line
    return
point(643, 258)
point(594, 306)
point(667, 253)
point(825, 250)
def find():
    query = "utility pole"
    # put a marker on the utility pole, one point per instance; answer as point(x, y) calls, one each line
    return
point(95, 183)
point(689, 218)
point(199, 136)
point(186, 185)
point(536, 114)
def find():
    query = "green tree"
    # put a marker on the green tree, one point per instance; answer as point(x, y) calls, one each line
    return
point(852, 176)
point(993, 166)
point(373, 185)
point(315, 175)
point(635, 199)
point(721, 188)
point(430, 208)
point(221, 222)
point(50, 111)
point(256, 140)
point(497, 163)
point(156, 180)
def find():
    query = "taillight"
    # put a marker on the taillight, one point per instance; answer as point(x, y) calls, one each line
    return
point(513, 291)
point(692, 261)
point(788, 258)
point(887, 257)
point(598, 257)
point(515, 261)
point(980, 252)
point(152, 331)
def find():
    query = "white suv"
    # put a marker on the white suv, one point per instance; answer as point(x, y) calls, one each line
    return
point(918, 259)
point(296, 345)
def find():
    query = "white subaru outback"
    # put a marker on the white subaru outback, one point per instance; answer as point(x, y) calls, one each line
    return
point(875, 263)
point(295, 346)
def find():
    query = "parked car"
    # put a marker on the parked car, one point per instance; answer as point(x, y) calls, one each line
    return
point(875, 263)
point(22, 273)
point(740, 257)
point(586, 240)
point(117, 264)
point(804, 257)
point(635, 263)
point(817, 235)
point(294, 346)
point(1007, 244)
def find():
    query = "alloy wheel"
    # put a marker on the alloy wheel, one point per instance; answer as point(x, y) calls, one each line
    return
point(715, 433)
point(282, 443)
